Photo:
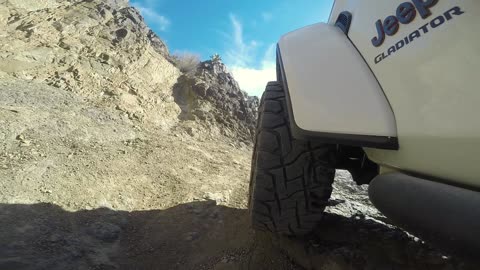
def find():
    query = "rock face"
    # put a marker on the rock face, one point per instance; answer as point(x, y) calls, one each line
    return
point(213, 96)
point(104, 52)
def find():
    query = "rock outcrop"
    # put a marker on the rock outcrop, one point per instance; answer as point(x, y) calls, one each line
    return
point(212, 96)
point(104, 52)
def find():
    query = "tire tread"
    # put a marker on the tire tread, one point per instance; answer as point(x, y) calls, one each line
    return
point(291, 179)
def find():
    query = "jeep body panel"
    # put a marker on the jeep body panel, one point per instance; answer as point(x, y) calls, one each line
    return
point(331, 88)
point(432, 84)
point(427, 65)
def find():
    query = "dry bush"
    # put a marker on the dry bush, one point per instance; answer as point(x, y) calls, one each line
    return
point(187, 62)
point(216, 58)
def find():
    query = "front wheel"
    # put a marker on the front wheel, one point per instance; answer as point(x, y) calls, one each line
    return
point(291, 180)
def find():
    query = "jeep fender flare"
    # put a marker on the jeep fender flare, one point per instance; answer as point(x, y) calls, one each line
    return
point(332, 94)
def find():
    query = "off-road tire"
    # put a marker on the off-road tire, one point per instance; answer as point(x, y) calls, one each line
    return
point(291, 180)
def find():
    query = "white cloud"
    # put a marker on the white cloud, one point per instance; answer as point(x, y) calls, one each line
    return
point(254, 80)
point(267, 16)
point(157, 20)
point(241, 58)
point(240, 53)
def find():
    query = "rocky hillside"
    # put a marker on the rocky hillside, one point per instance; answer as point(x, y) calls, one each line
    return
point(104, 52)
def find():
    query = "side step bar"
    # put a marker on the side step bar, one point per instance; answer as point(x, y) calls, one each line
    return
point(444, 215)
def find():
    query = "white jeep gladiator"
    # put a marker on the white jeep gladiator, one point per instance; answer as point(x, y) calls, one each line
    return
point(387, 90)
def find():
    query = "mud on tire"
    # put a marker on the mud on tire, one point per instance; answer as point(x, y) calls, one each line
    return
point(291, 180)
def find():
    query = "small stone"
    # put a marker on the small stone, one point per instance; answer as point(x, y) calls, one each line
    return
point(20, 137)
point(169, 99)
point(214, 215)
point(197, 211)
point(192, 236)
point(218, 197)
point(190, 131)
point(26, 143)
point(335, 202)
point(107, 232)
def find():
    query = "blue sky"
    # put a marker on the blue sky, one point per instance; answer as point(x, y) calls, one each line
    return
point(243, 32)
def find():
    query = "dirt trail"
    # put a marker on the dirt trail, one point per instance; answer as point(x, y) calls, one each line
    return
point(84, 187)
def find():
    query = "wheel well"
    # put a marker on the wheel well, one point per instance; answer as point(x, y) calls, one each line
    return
point(355, 160)
point(350, 158)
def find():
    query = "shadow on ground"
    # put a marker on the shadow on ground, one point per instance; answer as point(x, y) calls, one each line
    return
point(358, 242)
point(198, 235)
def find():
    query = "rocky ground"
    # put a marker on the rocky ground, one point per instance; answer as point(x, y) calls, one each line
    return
point(111, 158)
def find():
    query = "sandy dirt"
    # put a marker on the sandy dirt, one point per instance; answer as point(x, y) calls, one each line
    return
point(85, 188)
